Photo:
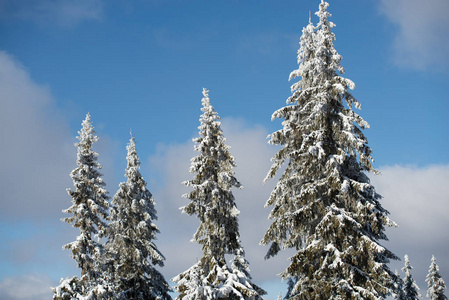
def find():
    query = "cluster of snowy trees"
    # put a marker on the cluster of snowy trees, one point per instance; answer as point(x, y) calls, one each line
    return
point(323, 205)
point(123, 267)
point(408, 289)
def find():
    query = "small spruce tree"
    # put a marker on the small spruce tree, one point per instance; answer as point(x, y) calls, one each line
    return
point(89, 211)
point(212, 201)
point(323, 204)
point(411, 289)
point(132, 252)
point(435, 282)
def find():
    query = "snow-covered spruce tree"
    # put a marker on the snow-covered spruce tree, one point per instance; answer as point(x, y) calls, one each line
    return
point(323, 204)
point(132, 252)
point(213, 203)
point(435, 282)
point(88, 213)
point(411, 289)
point(398, 288)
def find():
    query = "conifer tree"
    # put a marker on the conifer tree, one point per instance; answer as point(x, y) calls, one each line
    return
point(435, 282)
point(132, 251)
point(411, 289)
point(399, 288)
point(323, 204)
point(89, 211)
point(212, 201)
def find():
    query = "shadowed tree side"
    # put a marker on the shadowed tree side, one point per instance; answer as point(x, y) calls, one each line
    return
point(399, 288)
point(132, 252)
point(411, 289)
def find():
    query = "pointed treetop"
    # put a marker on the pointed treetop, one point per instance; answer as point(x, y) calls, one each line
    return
point(205, 101)
point(406, 262)
point(132, 140)
point(323, 5)
point(434, 261)
point(132, 158)
point(210, 116)
point(87, 133)
point(323, 14)
point(206, 93)
point(87, 122)
point(131, 147)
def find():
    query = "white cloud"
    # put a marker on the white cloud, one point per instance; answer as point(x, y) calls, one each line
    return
point(38, 153)
point(418, 201)
point(36, 156)
point(52, 12)
point(36, 147)
point(33, 286)
point(423, 27)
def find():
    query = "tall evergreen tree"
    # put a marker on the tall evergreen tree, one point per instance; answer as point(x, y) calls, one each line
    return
point(435, 282)
point(212, 201)
point(89, 211)
point(323, 204)
point(132, 251)
point(411, 289)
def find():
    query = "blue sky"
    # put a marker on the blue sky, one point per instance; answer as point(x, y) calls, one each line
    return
point(141, 65)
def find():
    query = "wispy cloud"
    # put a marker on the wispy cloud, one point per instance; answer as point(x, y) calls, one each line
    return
point(39, 154)
point(36, 149)
point(52, 12)
point(265, 43)
point(26, 287)
point(421, 41)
